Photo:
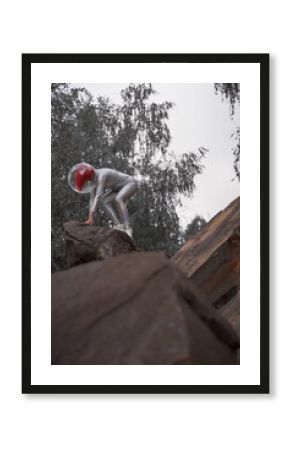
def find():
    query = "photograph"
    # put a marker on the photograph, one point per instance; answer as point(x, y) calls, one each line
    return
point(145, 214)
point(148, 215)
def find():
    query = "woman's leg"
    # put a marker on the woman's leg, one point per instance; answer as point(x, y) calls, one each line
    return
point(122, 197)
point(108, 209)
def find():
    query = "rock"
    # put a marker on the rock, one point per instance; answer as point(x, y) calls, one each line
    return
point(85, 243)
point(211, 259)
point(231, 311)
point(135, 309)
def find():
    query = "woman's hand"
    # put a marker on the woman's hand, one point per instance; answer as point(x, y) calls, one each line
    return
point(90, 220)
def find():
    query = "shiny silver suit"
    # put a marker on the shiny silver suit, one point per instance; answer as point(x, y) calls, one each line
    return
point(112, 187)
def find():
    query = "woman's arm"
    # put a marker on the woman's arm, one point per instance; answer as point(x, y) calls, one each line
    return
point(95, 197)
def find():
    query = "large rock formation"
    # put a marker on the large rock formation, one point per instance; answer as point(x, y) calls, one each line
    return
point(211, 259)
point(135, 309)
point(85, 243)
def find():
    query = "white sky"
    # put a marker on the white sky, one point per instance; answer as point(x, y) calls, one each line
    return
point(198, 119)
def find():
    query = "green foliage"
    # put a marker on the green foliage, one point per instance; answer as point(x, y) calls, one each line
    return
point(194, 227)
point(236, 152)
point(132, 137)
point(231, 93)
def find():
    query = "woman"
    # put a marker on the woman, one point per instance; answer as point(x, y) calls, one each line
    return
point(105, 186)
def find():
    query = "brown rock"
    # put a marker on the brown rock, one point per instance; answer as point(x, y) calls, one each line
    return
point(135, 309)
point(231, 311)
point(211, 259)
point(85, 243)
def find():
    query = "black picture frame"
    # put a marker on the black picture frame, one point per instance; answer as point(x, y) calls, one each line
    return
point(263, 61)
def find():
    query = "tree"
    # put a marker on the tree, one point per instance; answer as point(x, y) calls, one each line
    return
point(194, 227)
point(231, 93)
point(236, 152)
point(132, 137)
point(146, 137)
point(76, 132)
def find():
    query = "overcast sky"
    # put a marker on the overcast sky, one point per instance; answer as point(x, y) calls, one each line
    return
point(198, 119)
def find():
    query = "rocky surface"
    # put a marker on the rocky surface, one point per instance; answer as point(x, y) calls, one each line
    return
point(211, 259)
point(85, 243)
point(135, 309)
point(231, 311)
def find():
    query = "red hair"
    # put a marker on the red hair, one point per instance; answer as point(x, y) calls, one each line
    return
point(83, 174)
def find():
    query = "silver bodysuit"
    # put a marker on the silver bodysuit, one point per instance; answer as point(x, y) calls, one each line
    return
point(112, 186)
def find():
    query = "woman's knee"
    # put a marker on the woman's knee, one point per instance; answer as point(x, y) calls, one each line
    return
point(118, 200)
